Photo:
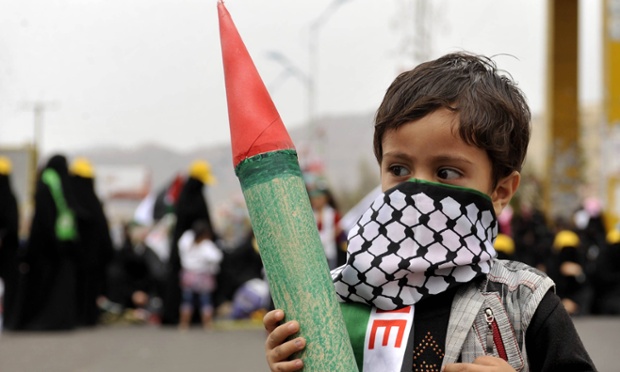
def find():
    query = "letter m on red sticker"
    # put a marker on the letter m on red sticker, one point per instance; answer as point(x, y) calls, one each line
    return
point(387, 324)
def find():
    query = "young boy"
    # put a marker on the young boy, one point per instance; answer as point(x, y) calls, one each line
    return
point(450, 137)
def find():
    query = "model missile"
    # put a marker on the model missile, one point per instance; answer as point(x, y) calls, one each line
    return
point(266, 164)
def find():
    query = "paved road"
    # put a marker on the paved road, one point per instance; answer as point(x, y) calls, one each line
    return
point(152, 349)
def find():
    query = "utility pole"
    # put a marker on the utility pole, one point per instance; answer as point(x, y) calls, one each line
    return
point(316, 132)
point(414, 23)
point(289, 70)
point(38, 108)
point(423, 32)
point(310, 78)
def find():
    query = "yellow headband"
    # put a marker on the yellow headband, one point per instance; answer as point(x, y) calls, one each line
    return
point(565, 238)
point(82, 167)
point(613, 236)
point(504, 243)
point(5, 165)
point(201, 170)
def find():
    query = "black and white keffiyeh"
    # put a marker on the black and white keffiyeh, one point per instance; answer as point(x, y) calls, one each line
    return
point(417, 239)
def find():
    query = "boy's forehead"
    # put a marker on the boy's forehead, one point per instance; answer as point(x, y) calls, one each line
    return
point(436, 134)
point(439, 117)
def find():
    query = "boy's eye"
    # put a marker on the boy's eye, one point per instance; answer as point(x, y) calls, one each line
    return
point(398, 171)
point(448, 174)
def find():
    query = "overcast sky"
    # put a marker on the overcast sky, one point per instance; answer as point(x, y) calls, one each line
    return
point(130, 72)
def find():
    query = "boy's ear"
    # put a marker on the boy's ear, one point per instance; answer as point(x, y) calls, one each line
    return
point(505, 189)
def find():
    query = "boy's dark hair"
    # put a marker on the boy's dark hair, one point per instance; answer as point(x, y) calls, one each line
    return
point(493, 112)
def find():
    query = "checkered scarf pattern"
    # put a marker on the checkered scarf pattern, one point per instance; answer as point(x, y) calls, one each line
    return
point(417, 239)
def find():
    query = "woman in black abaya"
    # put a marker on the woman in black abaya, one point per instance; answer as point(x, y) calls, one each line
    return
point(9, 242)
point(49, 300)
point(96, 244)
point(191, 207)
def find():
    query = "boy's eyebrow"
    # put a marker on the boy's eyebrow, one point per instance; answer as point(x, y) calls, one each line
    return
point(396, 154)
point(451, 158)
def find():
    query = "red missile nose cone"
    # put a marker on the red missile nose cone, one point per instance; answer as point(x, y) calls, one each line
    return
point(255, 124)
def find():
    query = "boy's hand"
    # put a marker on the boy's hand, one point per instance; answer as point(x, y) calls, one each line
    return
point(277, 350)
point(481, 364)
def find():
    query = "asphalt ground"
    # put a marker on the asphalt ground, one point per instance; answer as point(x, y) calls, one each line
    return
point(229, 347)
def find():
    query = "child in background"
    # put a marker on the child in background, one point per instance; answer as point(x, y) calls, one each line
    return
point(450, 137)
point(200, 263)
point(326, 215)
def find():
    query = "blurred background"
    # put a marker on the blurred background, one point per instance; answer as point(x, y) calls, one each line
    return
point(136, 88)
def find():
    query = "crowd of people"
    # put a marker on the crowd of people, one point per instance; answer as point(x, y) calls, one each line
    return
point(69, 272)
point(581, 253)
point(52, 283)
point(179, 270)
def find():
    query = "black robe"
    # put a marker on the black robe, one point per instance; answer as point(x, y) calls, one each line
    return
point(9, 244)
point(96, 250)
point(191, 207)
point(48, 300)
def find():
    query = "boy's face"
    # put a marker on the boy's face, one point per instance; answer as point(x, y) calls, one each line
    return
point(430, 149)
